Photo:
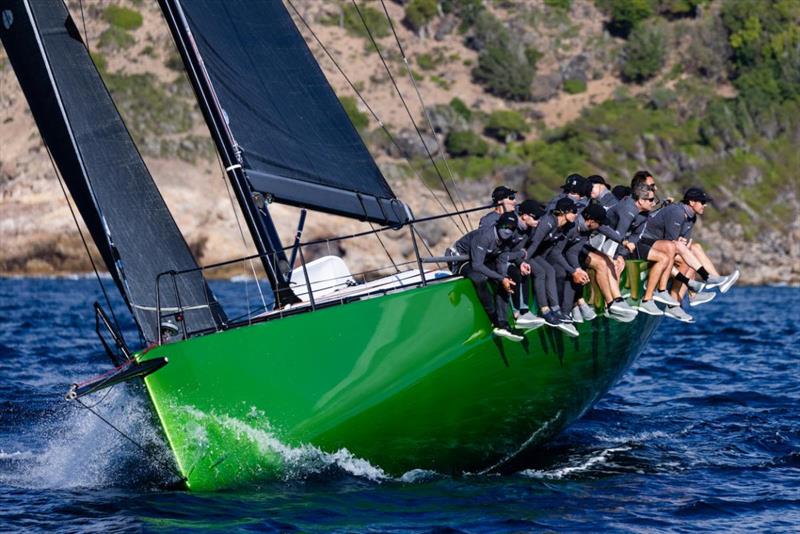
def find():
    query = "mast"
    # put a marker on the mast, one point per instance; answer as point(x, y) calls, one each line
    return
point(259, 222)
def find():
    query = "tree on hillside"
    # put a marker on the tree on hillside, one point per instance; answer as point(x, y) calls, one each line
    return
point(644, 53)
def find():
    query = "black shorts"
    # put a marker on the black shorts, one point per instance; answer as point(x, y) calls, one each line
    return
point(583, 256)
point(642, 249)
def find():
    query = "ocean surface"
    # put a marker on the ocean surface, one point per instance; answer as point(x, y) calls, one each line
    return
point(702, 434)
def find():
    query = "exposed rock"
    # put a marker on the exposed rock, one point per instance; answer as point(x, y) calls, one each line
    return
point(446, 26)
point(411, 146)
point(576, 69)
point(546, 86)
point(445, 119)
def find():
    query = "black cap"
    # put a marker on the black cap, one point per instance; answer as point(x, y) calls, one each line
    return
point(695, 193)
point(597, 179)
point(621, 191)
point(501, 193)
point(571, 182)
point(583, 189)
point(595, 212)
point(532, 208)
point(565, 205)
point(507, 220)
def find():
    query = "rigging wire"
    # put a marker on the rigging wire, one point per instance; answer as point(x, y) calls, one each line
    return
point(408, 110)
point(147, 453)
point(425, 111)
point(85, 31)
point(363, 100)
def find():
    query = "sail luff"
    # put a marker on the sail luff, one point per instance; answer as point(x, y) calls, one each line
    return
point(99, 163)
point(296, 142)
point(259, 223)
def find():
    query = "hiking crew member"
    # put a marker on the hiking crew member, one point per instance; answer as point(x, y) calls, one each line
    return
point(485, 246)
point(601, 191)
point(548, 233)
point(504, 200)
point(674, 223)
point(576, 188)
point(530, 212)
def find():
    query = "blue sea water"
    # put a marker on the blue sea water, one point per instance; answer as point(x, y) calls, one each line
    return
point(703, 434)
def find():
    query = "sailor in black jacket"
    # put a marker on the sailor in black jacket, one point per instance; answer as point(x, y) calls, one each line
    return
point(486, 247)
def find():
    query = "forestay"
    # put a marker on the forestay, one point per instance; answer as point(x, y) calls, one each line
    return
point(113, 190)
point(296, 141)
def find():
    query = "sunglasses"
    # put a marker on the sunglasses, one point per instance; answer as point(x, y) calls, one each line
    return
point(651, 199)
point(511, 197)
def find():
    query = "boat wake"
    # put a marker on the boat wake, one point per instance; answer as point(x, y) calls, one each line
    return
point(576, 468)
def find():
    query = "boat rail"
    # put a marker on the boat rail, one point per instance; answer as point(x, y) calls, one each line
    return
point(319, 291)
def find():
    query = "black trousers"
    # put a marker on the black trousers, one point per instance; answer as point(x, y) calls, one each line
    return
point(544, 282)
point(497, 305)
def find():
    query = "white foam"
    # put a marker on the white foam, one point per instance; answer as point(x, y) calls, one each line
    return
point(635, 438)
point(16, 455)
point(586, 465)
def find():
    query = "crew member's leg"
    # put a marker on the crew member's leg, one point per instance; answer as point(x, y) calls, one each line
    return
point(482, 289)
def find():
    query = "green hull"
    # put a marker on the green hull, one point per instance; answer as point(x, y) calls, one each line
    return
point(408, 380)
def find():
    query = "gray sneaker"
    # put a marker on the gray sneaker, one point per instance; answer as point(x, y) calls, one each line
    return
point(696, 286)
point(529, 321)
point(587, 312)
point(568, 329)
point(577, 316)
point(729, 281)
point(650, 308)
point(622, 308)
point(502, 332)
point(701, 298)
point(676, 312)
point(665, 298)
point(715, 281)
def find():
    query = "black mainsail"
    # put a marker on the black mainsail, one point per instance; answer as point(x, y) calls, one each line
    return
point(294, 139)
point(113, 190)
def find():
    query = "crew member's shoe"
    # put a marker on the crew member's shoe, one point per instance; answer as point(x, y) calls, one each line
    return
point(650, 307)
point(701, 298)
point(587, 312)
point(565, 317)
point(676, 312)
point(729, 281)
point(620, 307)
point(568, 329)
point(551, 318)
point(665, 298)
point(697, 286)
point(504, 332)
point(529, 321)
point(577, 316)
point(715, 281)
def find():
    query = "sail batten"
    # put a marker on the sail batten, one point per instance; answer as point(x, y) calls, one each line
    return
point(98, 161)
point(296, 142)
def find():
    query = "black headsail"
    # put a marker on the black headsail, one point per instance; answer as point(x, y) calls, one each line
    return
point(295, 141)
point(113, 190)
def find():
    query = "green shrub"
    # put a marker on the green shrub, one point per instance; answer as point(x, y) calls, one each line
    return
point(466, 10)
point(461, 108)
point(644, 54)
point(99, 61)
point(574, 87)
point(559, 4)
point(116, 39)
point(626, 14)
point(505, 125)
point(679, 8)
point(504, 68)
point(466, 143)
point(122, 17)
point(359, 119)
point(419, 13)
point(174, 62)
point(428, 62)
point(351, 21)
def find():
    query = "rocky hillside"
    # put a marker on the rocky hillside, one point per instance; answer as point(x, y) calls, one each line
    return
point(518, 92)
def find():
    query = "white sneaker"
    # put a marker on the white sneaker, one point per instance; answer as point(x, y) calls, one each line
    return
point(665, 298)
point(568, 329)
point(587, 312)
point(529, 321)
point(677, 313)
point(696, 285)
point(715, 281)
point(650, 308)
point(502, 332)
point(577, 316)
point(729, 281)
point(701, 298)
point(622, 308)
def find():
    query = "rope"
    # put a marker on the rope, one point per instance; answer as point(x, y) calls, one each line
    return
point(408, 111)
point(163, 462)
point(383, 246)
point(425, 110)
point(85, 32)
point(374, 114)
point(83, 238)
